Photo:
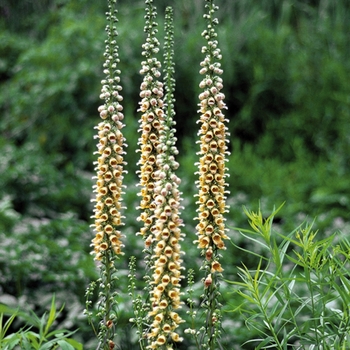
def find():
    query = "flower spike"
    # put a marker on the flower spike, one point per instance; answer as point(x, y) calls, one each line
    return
point(109, 167)
point(211, 170)
point(151, 123)
point(161, 196)
point(110, 148)
point(212, 133)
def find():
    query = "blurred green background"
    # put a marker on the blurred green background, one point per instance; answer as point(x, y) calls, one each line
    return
point(286, 80)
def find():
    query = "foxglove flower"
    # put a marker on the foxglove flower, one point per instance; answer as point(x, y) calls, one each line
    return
point(210, 229)
point(110, 151)
point(213, 133)
point(151, 123)
point(163, 233)
point(107, 244)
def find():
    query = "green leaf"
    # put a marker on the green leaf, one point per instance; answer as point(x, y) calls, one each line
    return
point(75, 344)
point(247, 297)
point(52, 316)
point(64, 345)
point(60, 333)
point(3, 330)
point(29, 341)
point(33, 338)
point(11, 340)
point(246, 250)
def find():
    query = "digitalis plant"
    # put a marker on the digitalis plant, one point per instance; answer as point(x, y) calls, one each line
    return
point(167, 233)
point(212, 173)
point(151, 123)
point(159, 188)
point(107, 244)
point(156, 312)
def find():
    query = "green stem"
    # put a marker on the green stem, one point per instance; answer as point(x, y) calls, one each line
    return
point(268, 322)
point(310, 286)
point(255, 282)
point(107, 282)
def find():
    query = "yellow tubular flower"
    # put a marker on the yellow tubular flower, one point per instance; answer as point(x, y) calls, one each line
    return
point(165, 228)
point(151, 123)
point(212, 133)
point(211, 231)
point(107, 244)
point(110, 163)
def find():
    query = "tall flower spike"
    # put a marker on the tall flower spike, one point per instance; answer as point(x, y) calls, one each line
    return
point(211, 198)
point(107, 243)
point(165, 296)
point(151, 123)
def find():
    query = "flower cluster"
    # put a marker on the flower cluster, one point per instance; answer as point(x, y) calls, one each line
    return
point(151, 123)
point(110, 162)
point(107, 244)
point(212, 173)
point(213, 132)
point(165, 296)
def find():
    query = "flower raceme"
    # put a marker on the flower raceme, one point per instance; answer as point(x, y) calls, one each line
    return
point(165, 296)
point(110, 162)
point(109, 167)
point(151, 123)
point(108, 187)
point(160, 203)
point(166, 258)
point(211, 183)
point(211, 166)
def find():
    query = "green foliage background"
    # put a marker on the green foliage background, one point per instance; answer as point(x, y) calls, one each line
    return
point(287, 89)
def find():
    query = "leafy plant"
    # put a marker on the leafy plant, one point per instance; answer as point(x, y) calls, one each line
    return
point(297, 295)
point(37, 332)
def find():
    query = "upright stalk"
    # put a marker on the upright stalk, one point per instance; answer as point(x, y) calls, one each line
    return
point(166, 257)
point(212, 173)
point(107, 244)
